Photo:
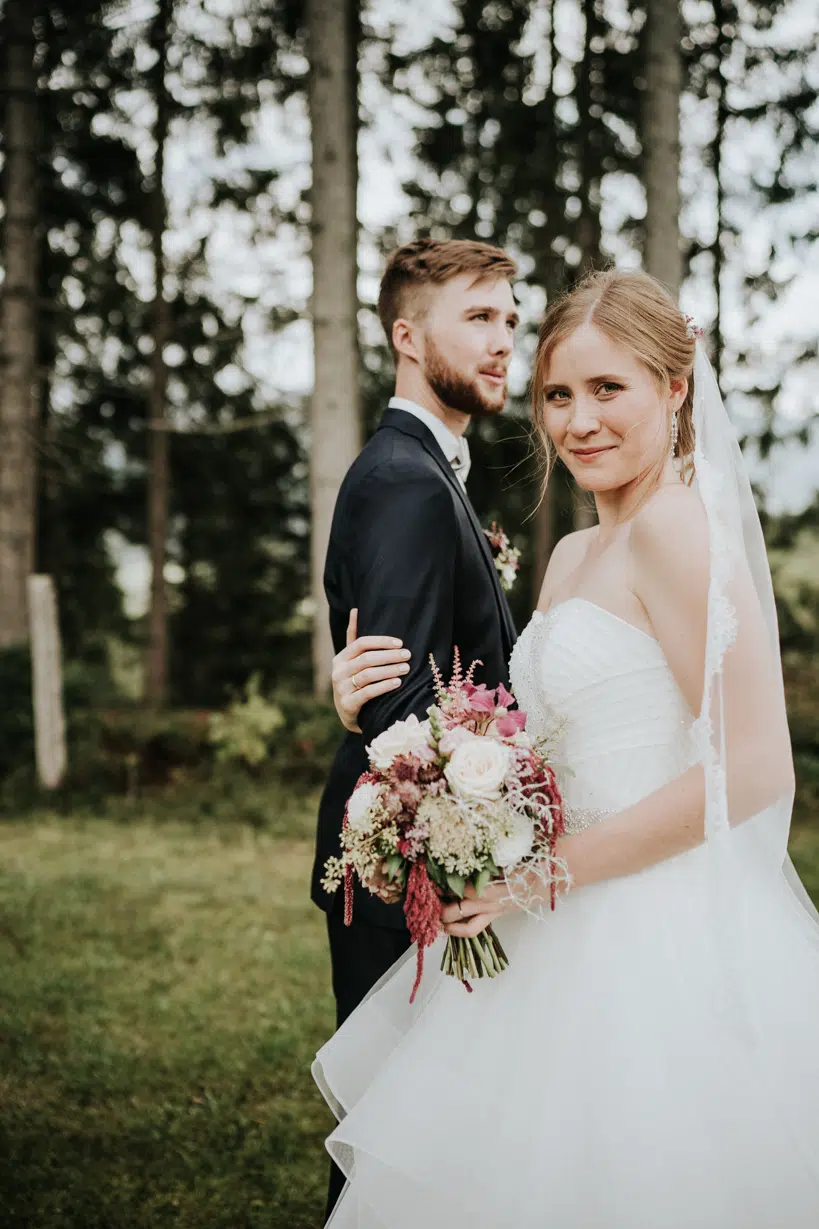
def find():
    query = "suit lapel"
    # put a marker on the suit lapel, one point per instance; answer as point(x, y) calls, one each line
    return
point(410, 425)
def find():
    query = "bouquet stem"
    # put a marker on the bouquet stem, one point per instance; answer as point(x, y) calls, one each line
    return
point(479, 956)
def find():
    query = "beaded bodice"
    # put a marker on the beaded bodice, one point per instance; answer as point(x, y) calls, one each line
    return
point(601, 691)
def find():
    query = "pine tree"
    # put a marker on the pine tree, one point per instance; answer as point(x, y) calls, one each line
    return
point(335, 432)
point(20, 386)
point(661, 142)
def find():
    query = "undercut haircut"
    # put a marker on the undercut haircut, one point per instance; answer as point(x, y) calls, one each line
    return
point(415, 267)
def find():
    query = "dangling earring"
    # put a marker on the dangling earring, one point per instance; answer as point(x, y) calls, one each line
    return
point(674, 433)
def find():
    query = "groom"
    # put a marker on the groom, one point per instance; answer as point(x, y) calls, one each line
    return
point(406, 547)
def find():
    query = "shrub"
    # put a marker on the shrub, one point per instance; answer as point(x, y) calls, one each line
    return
point(245, 730)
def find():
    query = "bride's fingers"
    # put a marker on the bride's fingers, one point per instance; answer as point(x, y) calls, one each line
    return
point(372, 667)
point(458, 911)
point(470, 928)
point(493, 893)
point(364, 644)
point(354, 700)
point(352, 626)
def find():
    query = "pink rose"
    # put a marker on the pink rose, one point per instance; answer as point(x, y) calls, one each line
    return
point(450, 739)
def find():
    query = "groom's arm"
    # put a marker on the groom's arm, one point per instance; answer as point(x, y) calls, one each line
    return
point(403, 565)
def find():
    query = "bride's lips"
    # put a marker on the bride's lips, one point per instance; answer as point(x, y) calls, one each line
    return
point(587, 455)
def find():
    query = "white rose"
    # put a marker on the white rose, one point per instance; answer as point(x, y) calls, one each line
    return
point(410, 737)
point(477, 768)
point(517, 842)
point(360, 806)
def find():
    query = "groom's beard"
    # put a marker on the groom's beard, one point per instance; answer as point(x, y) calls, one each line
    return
point(455, 390)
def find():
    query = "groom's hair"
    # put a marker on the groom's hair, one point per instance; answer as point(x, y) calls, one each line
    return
point(417, 266)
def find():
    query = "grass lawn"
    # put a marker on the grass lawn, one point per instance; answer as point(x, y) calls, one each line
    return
point(164, 989)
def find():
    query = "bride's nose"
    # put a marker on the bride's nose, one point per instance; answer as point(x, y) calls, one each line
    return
point(585, 420)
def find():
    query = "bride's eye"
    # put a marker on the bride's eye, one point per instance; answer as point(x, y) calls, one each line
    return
point(610, 386)
point(561, 395)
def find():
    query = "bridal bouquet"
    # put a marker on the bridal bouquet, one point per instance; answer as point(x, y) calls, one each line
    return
point(461, 798)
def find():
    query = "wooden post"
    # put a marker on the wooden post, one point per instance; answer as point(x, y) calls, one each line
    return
point(47, 681)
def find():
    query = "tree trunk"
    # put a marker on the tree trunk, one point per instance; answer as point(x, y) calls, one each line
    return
point(589, 229)
point(19, 387)
point(661, 143)
point(335, 413)
point(544, 533)
point(722, 17)
point(156, 665)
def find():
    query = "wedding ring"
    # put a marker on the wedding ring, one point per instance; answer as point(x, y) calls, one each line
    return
point(353, 681)
point(460, 910)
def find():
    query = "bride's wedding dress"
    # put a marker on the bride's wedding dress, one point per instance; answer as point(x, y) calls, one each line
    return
point(631, 1069)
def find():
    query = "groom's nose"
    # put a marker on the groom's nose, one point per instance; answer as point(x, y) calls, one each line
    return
point(503, 340)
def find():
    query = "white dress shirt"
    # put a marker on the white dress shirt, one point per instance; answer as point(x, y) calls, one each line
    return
point(454, 448)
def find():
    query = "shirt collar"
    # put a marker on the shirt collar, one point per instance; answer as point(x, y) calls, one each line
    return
point(449, 443)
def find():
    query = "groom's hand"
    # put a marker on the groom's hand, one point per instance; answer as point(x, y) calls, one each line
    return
point(367, 667)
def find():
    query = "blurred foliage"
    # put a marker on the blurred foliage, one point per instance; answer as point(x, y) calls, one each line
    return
point(119, 757)
point(243, 732)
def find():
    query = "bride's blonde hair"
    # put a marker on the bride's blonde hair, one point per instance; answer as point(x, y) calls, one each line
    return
point(633, 310)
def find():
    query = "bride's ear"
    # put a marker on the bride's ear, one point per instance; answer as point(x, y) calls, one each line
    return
point(679, 392)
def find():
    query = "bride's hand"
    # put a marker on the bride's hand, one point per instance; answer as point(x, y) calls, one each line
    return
point(468, 917)
point(369, 666)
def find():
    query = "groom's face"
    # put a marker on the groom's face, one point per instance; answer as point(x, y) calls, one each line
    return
point(466, 336)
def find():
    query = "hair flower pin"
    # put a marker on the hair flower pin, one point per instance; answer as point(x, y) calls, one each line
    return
point(506, 556)
point(692, 328)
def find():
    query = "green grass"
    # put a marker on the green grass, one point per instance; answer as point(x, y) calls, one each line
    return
point(164, 987)
point(163, 992)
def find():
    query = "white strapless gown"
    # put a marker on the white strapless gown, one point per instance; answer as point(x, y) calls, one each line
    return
point(609, 1079)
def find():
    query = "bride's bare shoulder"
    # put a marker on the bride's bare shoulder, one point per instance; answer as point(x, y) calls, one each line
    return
point(567, 555)
point(671, 531)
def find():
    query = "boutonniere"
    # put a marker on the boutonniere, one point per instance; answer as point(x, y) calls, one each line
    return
point(506, 556)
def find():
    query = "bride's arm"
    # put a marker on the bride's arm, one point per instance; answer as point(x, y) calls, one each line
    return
point(670, 556)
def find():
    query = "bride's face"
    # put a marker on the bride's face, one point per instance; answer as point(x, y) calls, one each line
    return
point(605, 413)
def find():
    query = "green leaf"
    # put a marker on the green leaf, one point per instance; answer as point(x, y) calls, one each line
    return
point(436, 874)
point(392, 866)
point(482, 880)
point(456, 883)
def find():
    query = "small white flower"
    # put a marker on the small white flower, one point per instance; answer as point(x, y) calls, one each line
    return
point(478, 768)
point(517, 843)
point(360, 806)
point(410, 737)
point(452, 839)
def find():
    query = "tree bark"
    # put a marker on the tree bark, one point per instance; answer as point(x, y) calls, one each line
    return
point(156, 665)
point(335, 412)
point(722, 17)
point(661, 143)
point(19, 387)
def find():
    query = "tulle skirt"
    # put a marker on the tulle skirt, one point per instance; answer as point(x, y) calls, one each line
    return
point(640, 1065)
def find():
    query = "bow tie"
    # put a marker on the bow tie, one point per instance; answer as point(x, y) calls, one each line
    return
point(461, 461)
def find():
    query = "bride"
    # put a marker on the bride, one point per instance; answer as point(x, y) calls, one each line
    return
point(649, 1060)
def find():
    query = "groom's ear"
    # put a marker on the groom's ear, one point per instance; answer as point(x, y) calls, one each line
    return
point(404, 339)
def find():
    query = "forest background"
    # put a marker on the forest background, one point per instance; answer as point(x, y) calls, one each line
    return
point(198, 196)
